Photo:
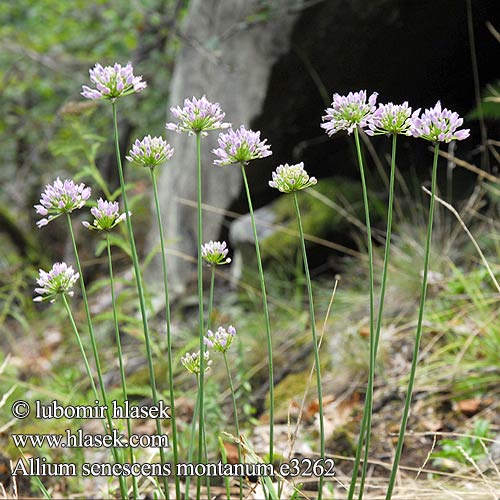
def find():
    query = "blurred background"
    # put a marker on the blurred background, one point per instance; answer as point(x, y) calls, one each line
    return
point(273, 65)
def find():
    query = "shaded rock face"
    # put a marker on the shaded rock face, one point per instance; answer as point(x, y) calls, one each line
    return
point(277, 75)
point(228, 55)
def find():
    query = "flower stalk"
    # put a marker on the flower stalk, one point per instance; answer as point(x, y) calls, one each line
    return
point(372, 306)
point(266, 316)
point(418, 335)
point(169, 333)
point(123, 488)
point(201, 321)
point(140, 289)
point(120, 356)
point(373, 352)
point(314, 339)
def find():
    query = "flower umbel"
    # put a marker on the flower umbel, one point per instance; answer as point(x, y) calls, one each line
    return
point(60, 279)
point(107, 216)
point(240, 146)
point(215, 253)
point(197, 116)
point(220, 340)
point(289, 178)
point(390, 119)
point(112, 82)
point(150, 152)
point(61, 197)
point(437, 125)
point(349, 112)
point(191, 362)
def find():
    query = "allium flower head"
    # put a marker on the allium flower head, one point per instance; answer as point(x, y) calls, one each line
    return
point(112, 82)
point(191, 362)
point(197, 116)
point(437, 125)
point(240, 146)
point(349, 112)
point(390, 119)
point(61, 197)
point(220, 340)
point(107, 216)
point(215, 253)
point(289, 178)
point(60, 279)
point(150, 152)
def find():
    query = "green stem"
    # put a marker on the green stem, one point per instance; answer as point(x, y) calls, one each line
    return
point(140, 289)
point(211, 297)
point(236, 421)
point(80, 345)
point(314, 338)
point(169, 334)
point(201, 321)
point(418, 335)
point(123, 488)
point(372, 336)
point(373, 356)
point(266, 315)
point(120, 356)
point(191, 443)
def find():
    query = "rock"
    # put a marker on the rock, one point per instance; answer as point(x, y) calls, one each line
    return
point(229, 48)
point(274, 66)
point(328, 213)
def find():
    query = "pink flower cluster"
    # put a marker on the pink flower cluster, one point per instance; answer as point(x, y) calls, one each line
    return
point(112, 82)
point(61, 197)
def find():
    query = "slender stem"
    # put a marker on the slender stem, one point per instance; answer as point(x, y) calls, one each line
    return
point(80, 345)
point(169, 334)
point(140, 289)
point(201, 323)
point(418, 335)
point(236, 421)
point(372, 332)
point(191, 443)
point(315, 340)
point(120, 356)
point(211, 297)
point(373, 357)
point(123, 488)
point(266, 315)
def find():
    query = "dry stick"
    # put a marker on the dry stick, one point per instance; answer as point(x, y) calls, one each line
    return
point(461, 163)
point(474, 242)
point(278, 227)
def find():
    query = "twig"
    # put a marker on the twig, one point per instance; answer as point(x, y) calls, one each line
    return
point(469, 166)
point(469, 234)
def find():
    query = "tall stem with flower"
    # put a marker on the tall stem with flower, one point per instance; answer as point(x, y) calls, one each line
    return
point(388, 119)
point(290, 179)
point(106, 217)
point(151, 152)
point(62, 198)
point(352, 113)
point(111, 83)
point(242, 146)
point(435, 125)
point(197, 117)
